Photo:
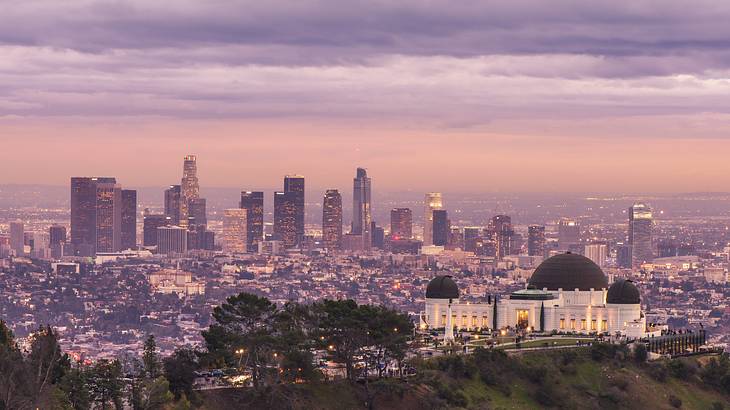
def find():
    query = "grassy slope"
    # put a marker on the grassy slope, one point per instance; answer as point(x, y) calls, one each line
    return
point(583, 384)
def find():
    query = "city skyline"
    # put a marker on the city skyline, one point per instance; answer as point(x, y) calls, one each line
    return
point(364, 205)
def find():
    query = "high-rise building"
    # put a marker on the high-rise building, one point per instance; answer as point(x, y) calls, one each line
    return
point(197, 215)
point(189, 187)
point(332, 219)
point(151, 222)
point(472, 238)
point(501, 227)
point(129, 219)
point(536, 240)
point(17, 238)
point(568, 233)
point(294, 186)
point(172, 203)
point(401, 223)
point(235, 230)
point(377, 234)
point(57, 235)
point(432, 202)
point(362, 207)
point(285, 216)
point(108, 217)
point(441, 227)
point(640, 234)
point(85, 207)
point(172, 239)
point(623, 255)
point(597, 252)
point(253, 203)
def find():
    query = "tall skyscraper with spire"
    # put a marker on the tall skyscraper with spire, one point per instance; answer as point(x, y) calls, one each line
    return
point(332, 219)
point(432, 202)
point(361, 207)
point(189, 187)
point(640, 234)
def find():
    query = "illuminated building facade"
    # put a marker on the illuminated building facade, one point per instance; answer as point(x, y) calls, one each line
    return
point(641, 224)
point(332, 219)
point(401, 223)
point(432, 202)
point(253, 203)
point(235, 230)
point(362, 207)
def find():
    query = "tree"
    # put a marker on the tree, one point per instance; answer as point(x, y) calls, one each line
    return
point(343, 331)
point(542, 316)
point(245, 324)
point(180, 371)
point(151, 394)
point(15, 389)
point(74, 384)
point(376, 333)
point(105, 384)
point(46, 362)
point(494, 314)
point(151, 358)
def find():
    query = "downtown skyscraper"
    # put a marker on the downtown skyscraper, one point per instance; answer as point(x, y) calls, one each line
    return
point(432, 202)
point(641, 224)
point(332, 219)
point(536, 240)
point(173, 196)
point(401, 224)
point(502, 233)
point(129, 219)
point(253, 203)
point(441, 227)
point(294, 186)
point(189, 187)
point(285, 218)
point(96, 215)
point(362, 208)
point(235, 230)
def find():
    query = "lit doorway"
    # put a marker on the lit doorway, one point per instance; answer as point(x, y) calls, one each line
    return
point(523, 319)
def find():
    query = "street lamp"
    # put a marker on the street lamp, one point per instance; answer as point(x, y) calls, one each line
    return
point(240, 352)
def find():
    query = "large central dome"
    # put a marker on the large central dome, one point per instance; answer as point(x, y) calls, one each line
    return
point(568, 271)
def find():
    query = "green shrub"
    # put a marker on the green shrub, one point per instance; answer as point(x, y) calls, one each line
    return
point(640, 353)
point(659, 372)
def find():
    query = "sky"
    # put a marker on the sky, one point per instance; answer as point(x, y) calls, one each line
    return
point(472, 96)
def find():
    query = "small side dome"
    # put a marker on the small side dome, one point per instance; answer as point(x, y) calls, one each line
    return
point(442, 287)
point(623, 292)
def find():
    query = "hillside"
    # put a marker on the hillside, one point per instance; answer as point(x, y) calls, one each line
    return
point(568, 379)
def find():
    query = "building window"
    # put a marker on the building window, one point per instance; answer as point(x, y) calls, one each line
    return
point(572, 324)
point(582, 324)
point(593, 324)
point(485, 321)
point(474, 322)
point(604, 325)
point(464, 321)
point(443, 321)
point(562, 323)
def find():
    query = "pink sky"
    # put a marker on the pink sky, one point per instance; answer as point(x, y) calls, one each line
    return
point(473, 96)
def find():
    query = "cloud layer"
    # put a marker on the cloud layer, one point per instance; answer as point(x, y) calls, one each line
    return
point(561, 71)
